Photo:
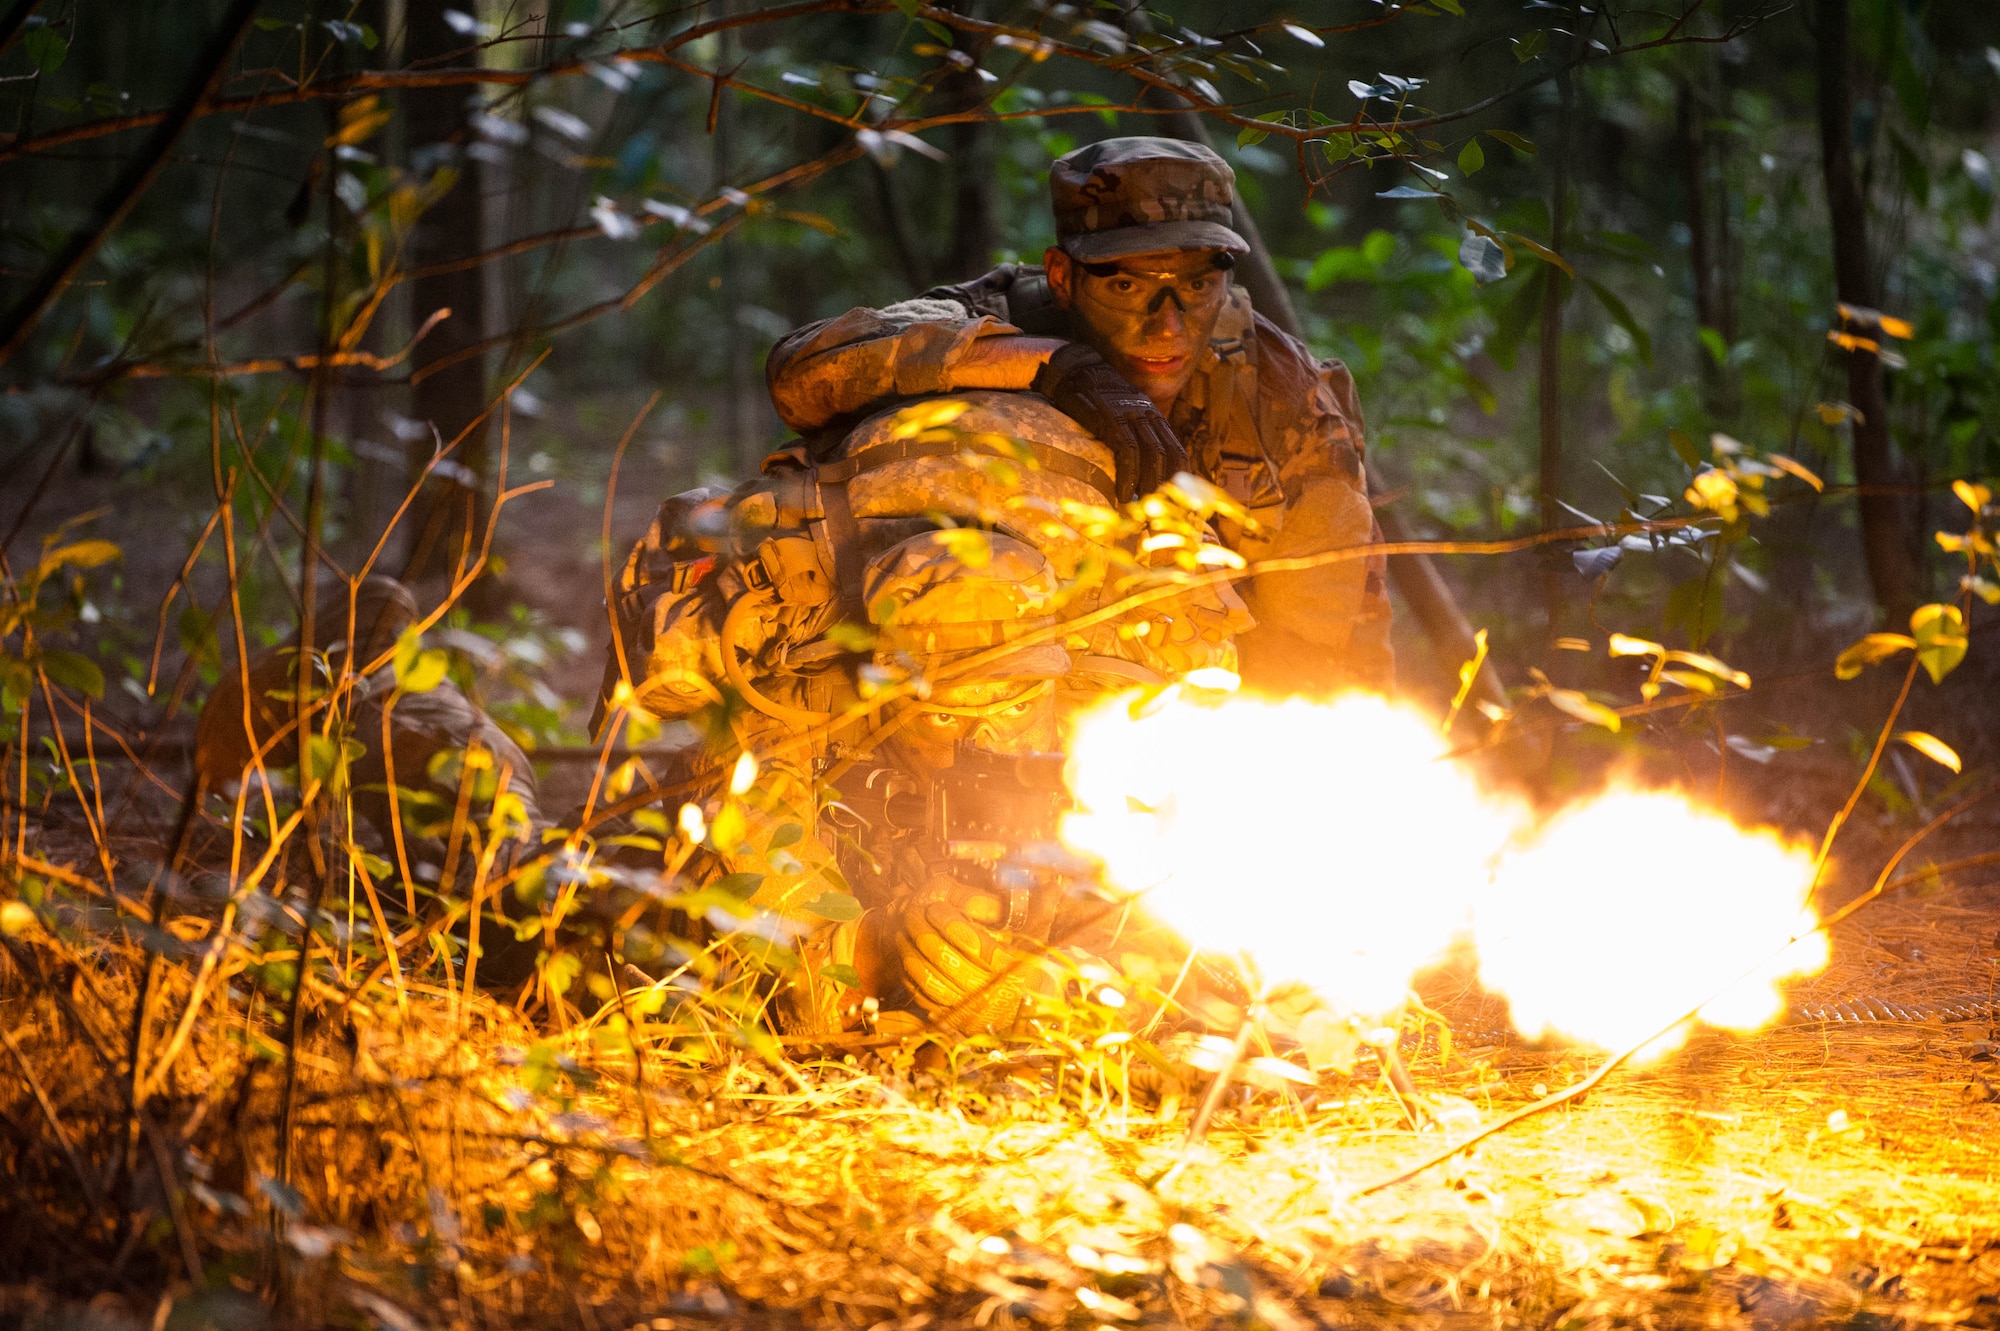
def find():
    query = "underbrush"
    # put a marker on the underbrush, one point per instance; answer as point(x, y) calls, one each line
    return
point(429, 1157)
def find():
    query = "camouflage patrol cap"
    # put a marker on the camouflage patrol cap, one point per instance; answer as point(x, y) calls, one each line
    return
point(935, 599)
point(1141, 196)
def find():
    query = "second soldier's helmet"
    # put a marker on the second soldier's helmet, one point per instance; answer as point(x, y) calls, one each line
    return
point(942, 598)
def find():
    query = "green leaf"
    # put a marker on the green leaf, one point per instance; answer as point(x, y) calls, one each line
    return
point(1622, 316)
point(1451, 7)
point(1513, 140)
point(1251, 134)
point(72, 669)
point(47, 48)
point(269, 24)
point(1684, 448)
point(840, 974)
point(742, 886)
point(198, 638)
point(1711, 341)
point(1470, 157)
point(787, 835)
point(1528, 47)
point(833, 906)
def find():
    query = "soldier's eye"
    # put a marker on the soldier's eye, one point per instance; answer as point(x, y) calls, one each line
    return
point(942, 720)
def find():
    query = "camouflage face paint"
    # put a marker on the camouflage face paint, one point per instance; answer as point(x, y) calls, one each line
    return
point(1151, 315)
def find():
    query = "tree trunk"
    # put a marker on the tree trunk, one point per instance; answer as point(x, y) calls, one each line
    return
point(1893, 572)
point(738, 435)
point(450, 231)
point(1701, 239)
point(1549, 390)
point(902, 235)
point(974, 234)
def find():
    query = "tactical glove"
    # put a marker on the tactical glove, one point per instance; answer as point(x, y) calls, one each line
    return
point(1082, 385)
point(966, 974)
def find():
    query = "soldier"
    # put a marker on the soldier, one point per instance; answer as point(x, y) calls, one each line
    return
point(732, 608)
point(237, 745)
point(1132, 328)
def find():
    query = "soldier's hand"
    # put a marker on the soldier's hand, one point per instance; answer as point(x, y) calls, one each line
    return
point(963, 969)
point(1084, 387)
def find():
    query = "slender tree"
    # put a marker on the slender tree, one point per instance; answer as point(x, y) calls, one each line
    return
point(1893, 573)
point(449, 394)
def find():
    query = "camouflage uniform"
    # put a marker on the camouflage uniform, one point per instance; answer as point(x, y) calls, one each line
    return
point(1263, 419)
point(421, 725)
point(724, 609)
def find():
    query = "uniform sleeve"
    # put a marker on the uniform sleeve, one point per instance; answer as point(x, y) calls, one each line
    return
point(1327, 627)
point(864, 358)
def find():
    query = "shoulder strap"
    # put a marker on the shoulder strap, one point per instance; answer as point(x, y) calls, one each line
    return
point(842, 533)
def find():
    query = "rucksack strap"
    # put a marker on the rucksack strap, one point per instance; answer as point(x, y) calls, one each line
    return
point(1052, 460)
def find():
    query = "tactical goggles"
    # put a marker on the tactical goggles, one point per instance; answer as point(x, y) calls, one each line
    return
point(1120, 288)
point(1012, 700)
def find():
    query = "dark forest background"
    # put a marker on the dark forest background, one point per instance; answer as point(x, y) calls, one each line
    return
point(1572, 252)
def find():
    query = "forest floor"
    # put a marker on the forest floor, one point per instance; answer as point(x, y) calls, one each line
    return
point(458, 1167)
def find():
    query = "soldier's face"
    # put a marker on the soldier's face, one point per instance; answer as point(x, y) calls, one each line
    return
point(1149, 315)
point(1011, 716)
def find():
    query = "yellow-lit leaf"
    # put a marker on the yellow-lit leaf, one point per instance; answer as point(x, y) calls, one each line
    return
point(912, 421)
point(1833, 413)
point(422, 672)
point(1583, 709)
point(1895, 327)
point(1798, 469)
point(1542, 252)
point(1624, 646)
point(1950, 543)
point(1691, 680)
point(1713, 665)
point(81, 554)
point(968, 545)
point(16, 918)
point(359, 121)
point(1931, 747)
point(1572, 644)
point(1875, 647)
point(727, 832)
point(1940, 635)
point(1714, 491)
point(1973, 496)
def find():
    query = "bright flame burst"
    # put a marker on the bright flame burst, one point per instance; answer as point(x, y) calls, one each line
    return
point(1334, 845)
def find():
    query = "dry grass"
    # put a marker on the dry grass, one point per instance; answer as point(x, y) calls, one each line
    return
point(455, 1167)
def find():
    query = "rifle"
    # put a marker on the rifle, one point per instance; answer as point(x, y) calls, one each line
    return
point(994, 818)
